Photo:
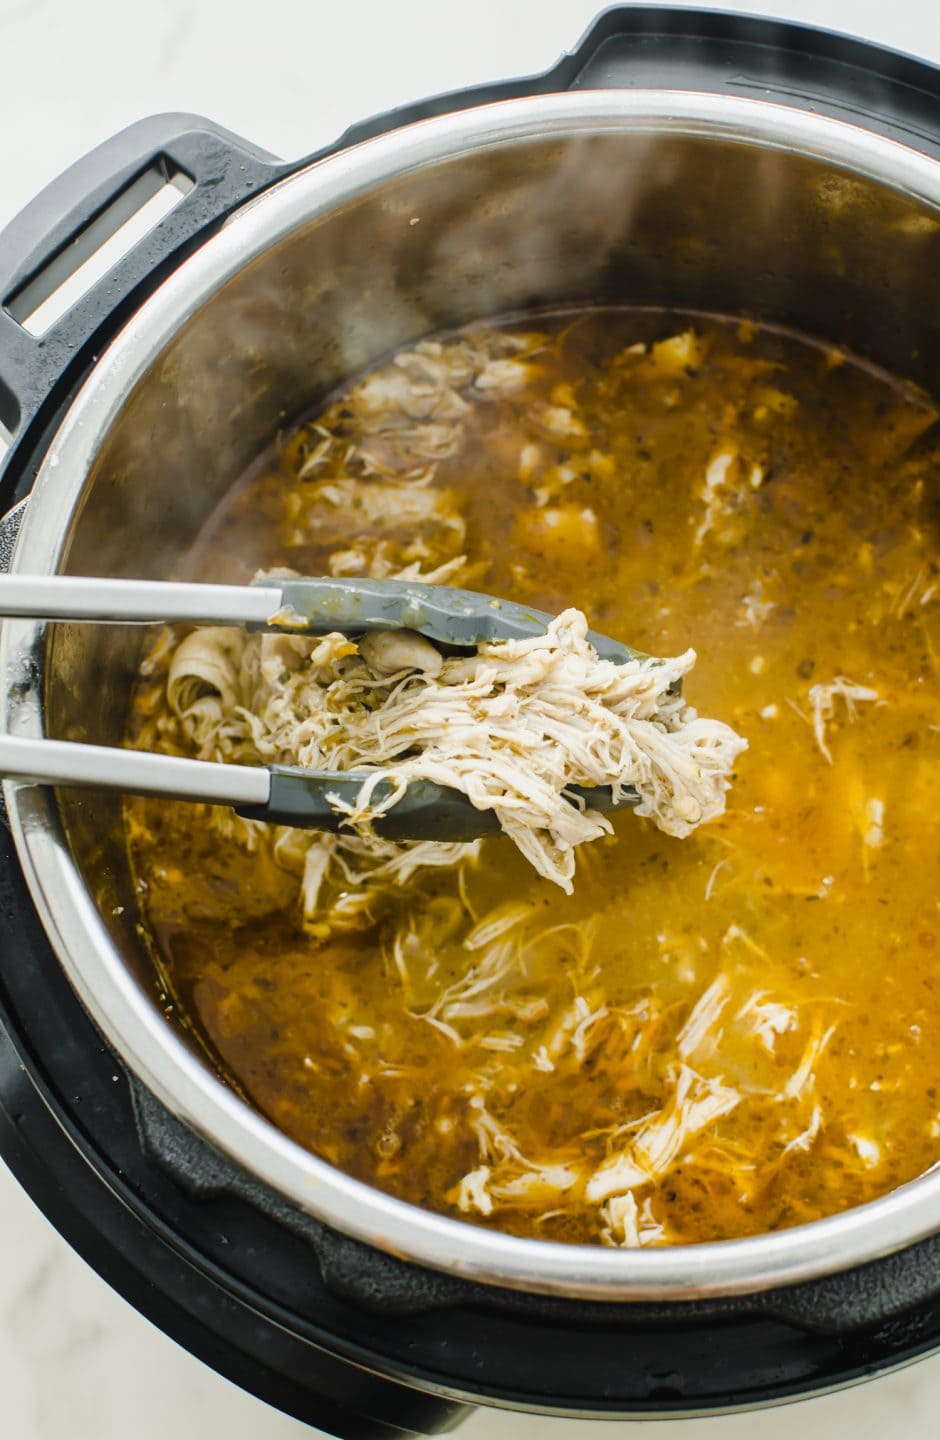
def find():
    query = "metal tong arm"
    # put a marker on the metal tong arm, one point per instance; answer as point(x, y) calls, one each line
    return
point(138, 772)
point(136, 602)
point(277, 794)
point(444, 614)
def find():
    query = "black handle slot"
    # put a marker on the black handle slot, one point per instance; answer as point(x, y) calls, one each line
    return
point(104, 241)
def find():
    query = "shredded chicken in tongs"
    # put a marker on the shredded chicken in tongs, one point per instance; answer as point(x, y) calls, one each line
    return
point(541, 733)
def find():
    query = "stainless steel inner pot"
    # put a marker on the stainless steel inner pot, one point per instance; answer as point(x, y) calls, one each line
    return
point(642, 197)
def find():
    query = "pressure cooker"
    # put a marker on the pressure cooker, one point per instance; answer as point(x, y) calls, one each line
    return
point(676, 157)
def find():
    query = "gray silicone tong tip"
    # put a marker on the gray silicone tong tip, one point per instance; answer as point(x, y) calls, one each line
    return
point(426, 811)
point(445, 615)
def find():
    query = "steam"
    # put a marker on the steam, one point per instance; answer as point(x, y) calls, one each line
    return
point(630, 219)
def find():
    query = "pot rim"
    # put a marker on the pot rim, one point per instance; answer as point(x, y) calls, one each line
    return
point(131, 1023)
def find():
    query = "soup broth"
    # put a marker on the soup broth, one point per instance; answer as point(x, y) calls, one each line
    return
point(711, 1037)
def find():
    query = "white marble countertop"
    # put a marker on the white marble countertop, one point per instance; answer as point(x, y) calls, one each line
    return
point(76, 1362)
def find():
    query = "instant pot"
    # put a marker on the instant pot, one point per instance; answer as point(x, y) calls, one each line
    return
point(710, 161)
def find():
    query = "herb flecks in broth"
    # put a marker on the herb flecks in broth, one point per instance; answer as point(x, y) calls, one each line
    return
point(711, 1037)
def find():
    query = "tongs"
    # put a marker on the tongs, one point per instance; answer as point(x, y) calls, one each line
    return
point(455, 620)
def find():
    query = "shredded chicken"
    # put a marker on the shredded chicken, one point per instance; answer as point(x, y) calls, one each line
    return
point(822, 699)
point(695, 1103)
point(715, 491)
point(766, 1019)
point(630, 1225)
point(682, 1130)
point(512, 727)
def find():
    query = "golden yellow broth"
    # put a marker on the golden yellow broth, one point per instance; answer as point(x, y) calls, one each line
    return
point(817, 559)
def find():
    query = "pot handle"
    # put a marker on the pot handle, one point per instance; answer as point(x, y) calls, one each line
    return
point(68, 222)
